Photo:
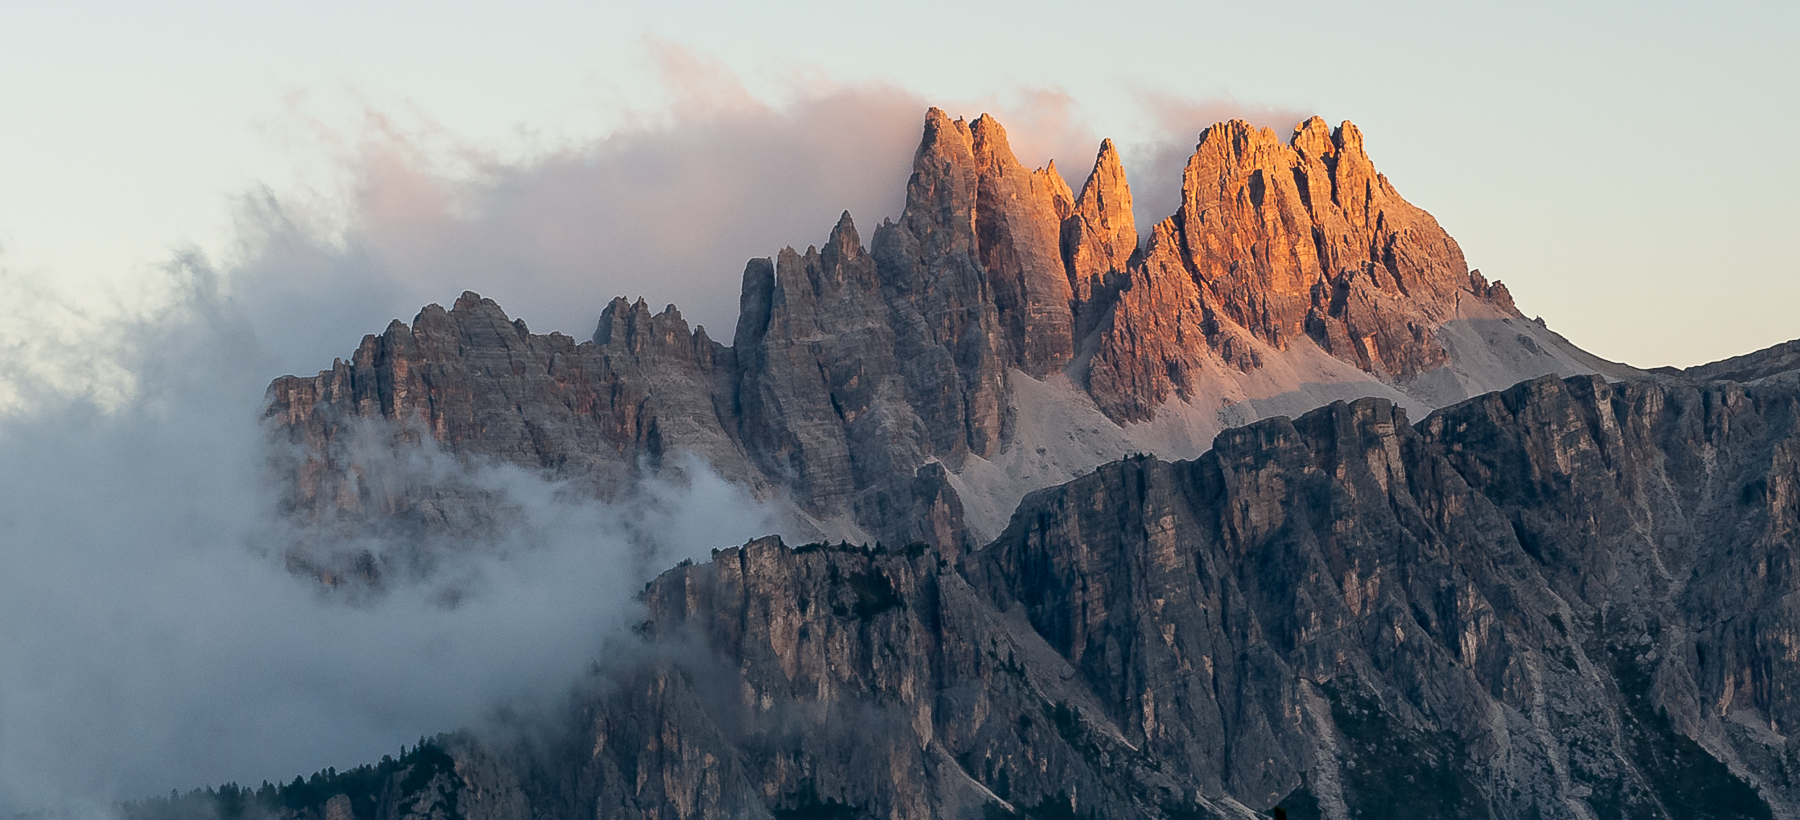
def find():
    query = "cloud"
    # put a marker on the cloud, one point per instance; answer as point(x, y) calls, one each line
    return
point(154, 635)
point(1154, 166)
point(45, 349)
point(154, 638)
point(669, 207)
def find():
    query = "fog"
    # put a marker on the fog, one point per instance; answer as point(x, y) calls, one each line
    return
point(153, 636)
point(154, 640)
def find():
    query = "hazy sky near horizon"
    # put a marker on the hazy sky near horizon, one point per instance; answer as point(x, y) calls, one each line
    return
point(1609, 161)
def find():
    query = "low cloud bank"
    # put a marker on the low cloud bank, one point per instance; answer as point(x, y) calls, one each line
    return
point(154, 636)
point(671, 206)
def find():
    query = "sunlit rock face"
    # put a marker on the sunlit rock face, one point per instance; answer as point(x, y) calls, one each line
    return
point(1569, 599)
point(1005, 334)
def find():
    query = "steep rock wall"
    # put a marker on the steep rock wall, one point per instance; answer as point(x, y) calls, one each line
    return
point(1569, 599)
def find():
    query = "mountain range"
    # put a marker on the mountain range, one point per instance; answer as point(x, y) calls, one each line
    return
point(1004, 335)
point(1082, 523)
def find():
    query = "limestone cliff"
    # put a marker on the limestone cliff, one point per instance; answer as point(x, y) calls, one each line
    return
point(1282, 242)
point(1570, 599)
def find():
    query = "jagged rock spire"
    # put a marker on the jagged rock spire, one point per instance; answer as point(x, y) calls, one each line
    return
point(1018, 222)
point(1306, 239)
point(1099, 236)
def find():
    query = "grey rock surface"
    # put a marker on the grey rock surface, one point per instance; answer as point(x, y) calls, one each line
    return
point(1569, 599)
point(1770, 361)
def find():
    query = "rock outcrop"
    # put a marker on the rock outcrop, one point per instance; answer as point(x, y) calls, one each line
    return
point(1770, 361)
point(1570, 599)
point(1099, 239)
point(1278, 243)
point(916, 387)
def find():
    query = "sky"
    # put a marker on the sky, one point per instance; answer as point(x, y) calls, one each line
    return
point(1610, 162)
point(200, 196)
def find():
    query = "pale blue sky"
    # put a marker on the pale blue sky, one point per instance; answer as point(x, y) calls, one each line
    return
point(1625, 168)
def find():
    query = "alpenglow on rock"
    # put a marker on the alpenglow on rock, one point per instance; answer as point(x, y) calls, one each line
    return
point(1004, 334)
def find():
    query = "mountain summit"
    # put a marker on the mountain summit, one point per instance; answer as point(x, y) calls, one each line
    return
point(1004, 334)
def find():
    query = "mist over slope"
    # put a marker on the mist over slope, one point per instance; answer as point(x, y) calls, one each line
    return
point(155, 634)
point(160, 634)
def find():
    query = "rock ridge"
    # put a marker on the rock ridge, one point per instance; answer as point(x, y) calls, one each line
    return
point(1770, 361)
point(868, 383)
point(1569, 599)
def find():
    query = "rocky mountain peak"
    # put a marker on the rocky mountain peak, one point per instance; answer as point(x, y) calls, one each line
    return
point(947, 145)
point(1100, 234)
point(470, 300)
point(844, 241)
point(1059, 189)
point(1106, 194)
point(1313, 138)
point(1018, 222)
point(632, 326)
point(891, 389)
point(1305, 239)
point(990, 146)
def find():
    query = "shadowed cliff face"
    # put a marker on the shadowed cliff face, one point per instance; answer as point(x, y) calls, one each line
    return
point(1569, 599)
point(1526, 598)
point(886, 389)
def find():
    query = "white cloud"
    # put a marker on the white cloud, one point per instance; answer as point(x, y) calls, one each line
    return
point(669, 207)
point(155, 639)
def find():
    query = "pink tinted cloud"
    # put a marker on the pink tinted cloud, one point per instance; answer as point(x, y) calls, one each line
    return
point(669, 208)
point(1154, 167)
point(1043, 124)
